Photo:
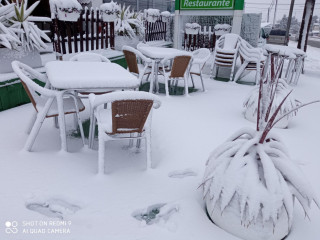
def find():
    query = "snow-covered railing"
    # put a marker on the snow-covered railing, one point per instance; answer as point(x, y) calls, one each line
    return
point(158, 30)
point(89, 33)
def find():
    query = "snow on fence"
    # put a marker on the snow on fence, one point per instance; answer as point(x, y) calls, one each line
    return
point(90, 32)
point(155, 31)
point(204, 39)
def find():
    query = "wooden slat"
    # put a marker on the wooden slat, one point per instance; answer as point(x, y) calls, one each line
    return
point(62, 30)
point(97, 28)
point(87, 30)
point(68, 27)
point(75, 36)
point(107, 34)
point(80, 25)
point(102, 35)
point(112, 35)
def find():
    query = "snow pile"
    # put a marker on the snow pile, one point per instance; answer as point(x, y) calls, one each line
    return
point(221, 29)
point(152, 15)
point(192, 28)
point(165, 16)
point(110, 11)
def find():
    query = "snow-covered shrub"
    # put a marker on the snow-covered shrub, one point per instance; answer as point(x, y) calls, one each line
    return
point(152, 15)
point(282, 90)
point(27, 33)
point(66, 10)
point(8, 36)
point(250, 182)
point(129, 23)
point(221, 29)
point(165, 16)
point(192, 28)
point(109, 11)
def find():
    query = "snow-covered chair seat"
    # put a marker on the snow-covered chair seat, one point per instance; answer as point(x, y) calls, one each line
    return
point(199, 59)
point(90, 57)
point(225, 53)
point(132, 56)
point(47, 103)
point(252, 59)
point(128, 118)
point(177, 72)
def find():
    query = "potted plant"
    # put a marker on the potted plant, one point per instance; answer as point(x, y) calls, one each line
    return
point(66, 10)
point(282, 89)
point(192, 28)
point(85, 3)
point(165, 16)
point(128, 28)
point(152, 15)
point(109, 11)
point(251, 183)
point(221, 29)
point(23, 39)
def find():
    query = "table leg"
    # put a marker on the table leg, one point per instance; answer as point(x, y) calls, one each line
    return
point(156, 70)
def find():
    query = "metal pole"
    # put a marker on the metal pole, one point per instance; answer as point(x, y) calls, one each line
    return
point(268, 15)
point(275, 14)
point(289, 21)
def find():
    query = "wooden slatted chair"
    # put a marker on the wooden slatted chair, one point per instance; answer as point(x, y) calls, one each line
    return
point(129, 118)
point(178, 71)
point(132, 56)
point(48, 103)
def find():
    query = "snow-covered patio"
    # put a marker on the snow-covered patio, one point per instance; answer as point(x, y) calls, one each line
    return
point(185, 131)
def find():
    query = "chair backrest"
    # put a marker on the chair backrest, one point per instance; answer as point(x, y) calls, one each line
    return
point(131, 55)
point(130, 109)
point(33, 89)
point(249, 53)
point(131, 59)
point(229, 41)
point(129, 116)
point(89, 57)
point(179, 66)
point(200, 56)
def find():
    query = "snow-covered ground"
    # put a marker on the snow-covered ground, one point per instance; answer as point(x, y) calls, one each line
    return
point(185, 131)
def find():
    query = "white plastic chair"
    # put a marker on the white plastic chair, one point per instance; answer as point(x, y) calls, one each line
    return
point(225, 53)
point(47, 103)
point(253, 59)
point(132, 55)
point(199, 59)
point(129, 118)
point(179, 71)
point(89, 57)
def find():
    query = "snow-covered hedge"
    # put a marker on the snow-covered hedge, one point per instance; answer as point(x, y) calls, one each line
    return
point(65, 10)
point(110, 11)
point(221, 29)
point(192, 28)
point(84, 3)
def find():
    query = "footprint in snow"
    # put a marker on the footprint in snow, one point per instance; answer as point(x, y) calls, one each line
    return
point(182, 174)
point(53, 208)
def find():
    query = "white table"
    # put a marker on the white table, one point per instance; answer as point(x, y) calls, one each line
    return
point(87, 77)
point(159, 53)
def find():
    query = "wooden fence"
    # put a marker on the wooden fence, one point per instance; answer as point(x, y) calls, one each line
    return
point(155, 31)
point(204, 39)
point(88, 33)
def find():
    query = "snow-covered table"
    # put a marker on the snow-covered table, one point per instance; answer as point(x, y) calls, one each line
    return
point(87, 77)
point(295, 57)
point(159, 53)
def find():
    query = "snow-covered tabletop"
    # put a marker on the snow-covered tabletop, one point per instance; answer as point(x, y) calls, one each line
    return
point(89, 75)
point(160, 52)
point(284, 50)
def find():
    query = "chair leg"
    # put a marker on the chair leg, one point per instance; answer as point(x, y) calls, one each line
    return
point(138, 145)
point(131, 141)
point(92, 130)
point(31, 123)
point(203, 88)
point(62, 123)
point(192, 80)
point(56, 122)
point(166, 80)
point(102, 146)
point(34, 131)
point(186, 88)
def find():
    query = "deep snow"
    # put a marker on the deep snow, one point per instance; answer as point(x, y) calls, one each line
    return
point(185, 131)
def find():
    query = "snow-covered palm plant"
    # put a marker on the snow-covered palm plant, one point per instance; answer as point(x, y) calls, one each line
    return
point(30, 36)
point(128, 23)
point(8, 36)
point(250, 181)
